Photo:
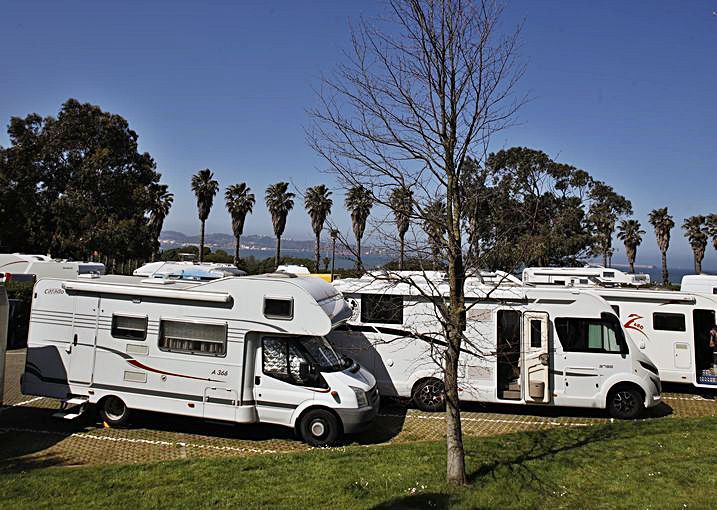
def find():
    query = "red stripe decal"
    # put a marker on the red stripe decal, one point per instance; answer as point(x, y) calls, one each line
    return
point(137, 364)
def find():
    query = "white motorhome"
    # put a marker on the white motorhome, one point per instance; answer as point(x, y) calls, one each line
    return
point(27, 267)
point(587, 276)
point(700, 283)
point(236, 349)
point(523, 345)
point(184, 270)
point(672, 328)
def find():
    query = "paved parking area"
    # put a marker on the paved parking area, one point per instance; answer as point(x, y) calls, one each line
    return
point(31, 437)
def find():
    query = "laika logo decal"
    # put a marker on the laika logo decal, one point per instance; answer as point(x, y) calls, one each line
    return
point(633, 324)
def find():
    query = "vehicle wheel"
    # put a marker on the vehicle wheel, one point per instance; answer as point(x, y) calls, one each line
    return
point(114, 412)
point(625, 403)
point(429, 395)
point(319, 427)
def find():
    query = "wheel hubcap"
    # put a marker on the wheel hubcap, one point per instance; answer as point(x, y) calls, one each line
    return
point(624, 402)
point(432, 395)
point(114, 409)
point(318, 428)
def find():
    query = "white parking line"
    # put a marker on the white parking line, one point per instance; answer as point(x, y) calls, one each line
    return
point(27, 402)
point(84, 435)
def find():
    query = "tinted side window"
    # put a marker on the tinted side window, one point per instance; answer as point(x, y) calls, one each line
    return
point(276, 308)
point(282, 359)
point(590, 335)
point(536, 333)
point(128, 327)
point(383, 308)
point(668, 321)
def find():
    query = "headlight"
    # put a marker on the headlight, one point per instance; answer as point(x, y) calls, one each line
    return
point(361, 398)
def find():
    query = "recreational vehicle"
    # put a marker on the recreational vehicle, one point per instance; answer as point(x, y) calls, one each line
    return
point(701, 283)
point(243, 350)
point(29, 267)
point(187, 270)
point(523, 345)
point(588, 276)
point(672, 328)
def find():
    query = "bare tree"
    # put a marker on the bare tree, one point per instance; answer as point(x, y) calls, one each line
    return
point(420, 93)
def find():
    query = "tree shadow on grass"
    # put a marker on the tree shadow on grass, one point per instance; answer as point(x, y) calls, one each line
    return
point(516, 460)
point(422, 500)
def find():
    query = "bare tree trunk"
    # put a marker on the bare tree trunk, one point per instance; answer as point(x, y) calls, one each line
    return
point(665, 275)
point(698, 264)
point(277, 260)
point(236, 251)
point(455, 462)
point(604, 259)
point(359, 264)
point(318, 251)
point(401, 254)
point(201, 244)
point(632, 265)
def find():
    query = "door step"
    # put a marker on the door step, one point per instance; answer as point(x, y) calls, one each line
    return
point(78, 408)
point(510, 394)
point(514, 387)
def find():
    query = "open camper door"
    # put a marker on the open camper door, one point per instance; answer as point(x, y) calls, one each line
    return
point(84, 336)
point(536, 357)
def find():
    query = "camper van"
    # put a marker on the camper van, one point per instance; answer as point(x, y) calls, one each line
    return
point(184, 270)
point(23, 267)
point(242, 350)
point(588, 276)
point(522, 345)
point(700, 283)
point(672, 328)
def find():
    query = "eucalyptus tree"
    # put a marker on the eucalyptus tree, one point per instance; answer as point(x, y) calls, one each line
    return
point(696, 234)
point(240, 202)
point(359, 202)
point(401, 200)
point(630, 233)
point(318, 205)
point(205, 187)
point(160, 204)
point(663, 223)
point(422, 89)
point(279, 201)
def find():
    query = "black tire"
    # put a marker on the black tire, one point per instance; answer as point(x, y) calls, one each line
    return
point(114, 411)
point(625, 403)
point(319, 427)
point(430, 395)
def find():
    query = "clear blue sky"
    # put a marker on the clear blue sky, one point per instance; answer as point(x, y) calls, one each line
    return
point(625, 90)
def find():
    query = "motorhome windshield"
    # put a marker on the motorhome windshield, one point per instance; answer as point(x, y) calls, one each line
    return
point(323, 355)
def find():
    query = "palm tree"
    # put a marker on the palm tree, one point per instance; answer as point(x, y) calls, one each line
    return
point(401, 202)
point(161, 202)
point(359, 201)
point(204, 187)
point(694, 228)
point(663, 224)
point(240, 202)
point(711, 223)
point(434, 224)
point(629, 232)
point(279, 201)
point(318, 205)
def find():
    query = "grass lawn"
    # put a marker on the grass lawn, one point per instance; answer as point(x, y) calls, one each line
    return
point(666, 463)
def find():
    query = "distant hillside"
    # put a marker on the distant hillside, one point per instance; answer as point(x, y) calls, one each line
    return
point(174, 239)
